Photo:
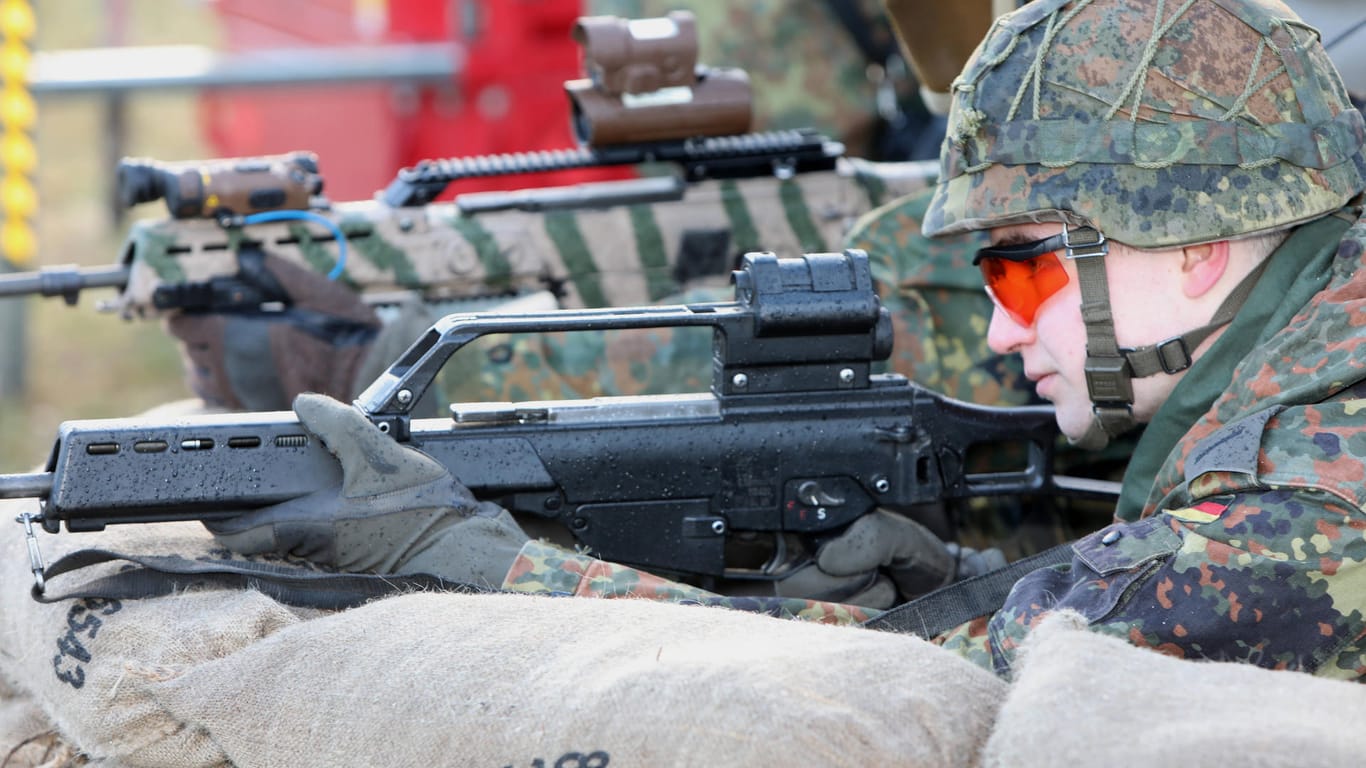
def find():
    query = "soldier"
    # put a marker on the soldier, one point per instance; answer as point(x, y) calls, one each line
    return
point(932, 287)
point(1188, 260)
point(1172, 201)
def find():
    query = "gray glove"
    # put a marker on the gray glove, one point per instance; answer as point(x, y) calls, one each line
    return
point(884, 558)
point(397, 510)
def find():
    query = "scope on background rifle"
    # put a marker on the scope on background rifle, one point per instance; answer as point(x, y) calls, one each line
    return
point(796, 436)
point(229, 186)
point(646, 99)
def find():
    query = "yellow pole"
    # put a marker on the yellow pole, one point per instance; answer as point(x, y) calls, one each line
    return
point(18, 199)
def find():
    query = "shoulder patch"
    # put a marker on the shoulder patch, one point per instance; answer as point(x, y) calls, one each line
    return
point(1203, 511)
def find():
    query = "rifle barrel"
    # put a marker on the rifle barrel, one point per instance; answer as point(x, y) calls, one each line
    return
point(65, 281)
point(32, 485)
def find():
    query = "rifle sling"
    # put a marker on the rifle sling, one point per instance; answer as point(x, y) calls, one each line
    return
point(963, 601)
point(156, 575)
point(153, 576)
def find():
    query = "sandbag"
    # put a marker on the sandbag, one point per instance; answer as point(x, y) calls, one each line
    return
point(1080, 698)
point(88, 664)
point(441, 679)
point(27, 738)
point(230, 677)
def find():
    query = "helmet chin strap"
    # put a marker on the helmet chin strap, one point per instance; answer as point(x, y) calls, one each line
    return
point(1110, 369)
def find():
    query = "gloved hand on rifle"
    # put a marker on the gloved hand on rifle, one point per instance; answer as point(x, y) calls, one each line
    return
point(883, 559)
point(397, 510)
point(283, 330)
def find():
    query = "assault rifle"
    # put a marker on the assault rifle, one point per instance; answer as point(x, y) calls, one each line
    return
point(796, 436)
point(610, 243)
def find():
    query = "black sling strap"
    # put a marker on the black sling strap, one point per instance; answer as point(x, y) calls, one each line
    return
point(963, 601)
point(153, 576)
point(156, 575)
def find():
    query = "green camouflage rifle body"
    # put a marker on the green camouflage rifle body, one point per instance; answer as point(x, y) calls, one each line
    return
point(939, 311)
point(623, 255)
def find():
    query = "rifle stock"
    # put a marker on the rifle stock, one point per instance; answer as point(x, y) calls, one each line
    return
point(796, 436)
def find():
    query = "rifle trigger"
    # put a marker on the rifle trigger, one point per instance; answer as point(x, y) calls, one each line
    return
point(35, 556)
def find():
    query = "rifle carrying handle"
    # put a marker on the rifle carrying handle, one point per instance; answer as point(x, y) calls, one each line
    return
point(814, 297)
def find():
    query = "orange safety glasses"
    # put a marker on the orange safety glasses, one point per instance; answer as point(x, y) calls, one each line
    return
point(1022, 276)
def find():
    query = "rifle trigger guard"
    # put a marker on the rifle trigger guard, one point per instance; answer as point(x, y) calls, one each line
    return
point(776, 568)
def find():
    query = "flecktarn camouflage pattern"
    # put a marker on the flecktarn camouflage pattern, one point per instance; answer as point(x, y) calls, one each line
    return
point(939, 310)
point(623, 255)
point(542, 568)
point(1252, 546)
point(1063, 112)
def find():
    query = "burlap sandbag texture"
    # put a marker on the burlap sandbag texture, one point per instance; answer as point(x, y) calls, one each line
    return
point(90, 664)
point(226, 677)
point(1080, 698)
point(519, 680)
point(27, 738)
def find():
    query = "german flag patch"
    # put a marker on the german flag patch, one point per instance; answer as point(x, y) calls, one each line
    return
point(1205, 511)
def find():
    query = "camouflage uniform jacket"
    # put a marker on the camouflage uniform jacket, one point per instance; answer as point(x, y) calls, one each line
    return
point(1251, 545)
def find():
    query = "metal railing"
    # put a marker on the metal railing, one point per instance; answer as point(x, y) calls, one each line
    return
point(144, 68)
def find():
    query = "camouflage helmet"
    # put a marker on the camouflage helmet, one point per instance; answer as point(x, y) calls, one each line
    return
point(1161, 122)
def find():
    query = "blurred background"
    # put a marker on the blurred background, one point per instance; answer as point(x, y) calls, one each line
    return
point(73, 362)
point(370, 86)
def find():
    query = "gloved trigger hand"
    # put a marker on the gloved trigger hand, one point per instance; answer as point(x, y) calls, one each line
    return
point(884, 558)
point(397, 510)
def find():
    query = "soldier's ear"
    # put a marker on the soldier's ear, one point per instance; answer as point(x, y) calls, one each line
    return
point(1202, 266)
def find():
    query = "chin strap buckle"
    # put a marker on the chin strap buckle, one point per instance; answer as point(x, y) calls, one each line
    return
point(1108, 382)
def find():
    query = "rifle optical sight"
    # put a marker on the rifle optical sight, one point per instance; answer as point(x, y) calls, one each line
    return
point(644, 84)
point(231, 186)
point(638, 56)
